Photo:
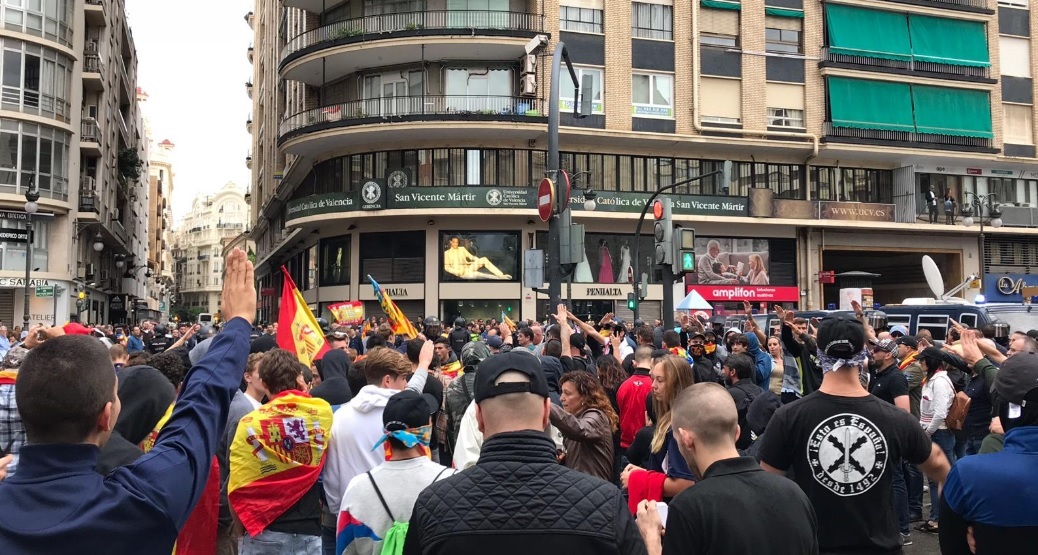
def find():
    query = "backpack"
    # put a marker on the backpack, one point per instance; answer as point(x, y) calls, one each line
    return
point(457, 339)
point(393, 542)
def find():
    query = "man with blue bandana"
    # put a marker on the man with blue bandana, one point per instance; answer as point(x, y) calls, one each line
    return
point(379, 499)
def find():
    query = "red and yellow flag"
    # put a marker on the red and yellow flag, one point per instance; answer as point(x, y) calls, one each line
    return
point(276, 457)
point(298, 330)
point(401, 325)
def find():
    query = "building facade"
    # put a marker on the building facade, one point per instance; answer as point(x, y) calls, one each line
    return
point(67, 112)
point(390, 134)
point(160, 227)
point(197, 249)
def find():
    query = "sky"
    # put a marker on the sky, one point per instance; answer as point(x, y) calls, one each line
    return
point(192, 63)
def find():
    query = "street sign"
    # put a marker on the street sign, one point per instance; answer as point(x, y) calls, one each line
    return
point(827, 276)
point(22, 216)
point(14, 235)
point(545, 199)
point(564, 184)
point(44, 291)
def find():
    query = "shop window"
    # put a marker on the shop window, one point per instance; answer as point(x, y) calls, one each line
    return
point(334, 261)
point(479, 256)
point(480, 309)
point(608, 257)
point(394, 257)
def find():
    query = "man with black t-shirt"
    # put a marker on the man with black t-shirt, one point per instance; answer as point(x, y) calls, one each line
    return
point(842, 445)
point(891, 385)
point(738, 376)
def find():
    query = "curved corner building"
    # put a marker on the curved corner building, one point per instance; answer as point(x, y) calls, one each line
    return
point(404, 139)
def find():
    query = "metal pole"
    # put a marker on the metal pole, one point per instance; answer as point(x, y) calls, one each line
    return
point(635, 264)
point(980, 216)
point(560, 222)
point(28, 267)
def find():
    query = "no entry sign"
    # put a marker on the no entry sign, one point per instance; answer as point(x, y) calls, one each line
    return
point(545, 199)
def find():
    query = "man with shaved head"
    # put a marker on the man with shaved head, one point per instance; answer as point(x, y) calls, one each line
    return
point(735, 507)
point(518, 499)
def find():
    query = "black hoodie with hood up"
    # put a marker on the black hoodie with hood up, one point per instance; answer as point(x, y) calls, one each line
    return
point(145, 395)
point(334, 388)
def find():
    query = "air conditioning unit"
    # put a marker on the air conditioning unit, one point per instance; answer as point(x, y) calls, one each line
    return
point(91, 271)
point(529, 64)
point(528, 85)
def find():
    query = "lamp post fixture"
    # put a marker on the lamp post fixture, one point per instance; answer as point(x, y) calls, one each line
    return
point(976, 206)
point(32, 194)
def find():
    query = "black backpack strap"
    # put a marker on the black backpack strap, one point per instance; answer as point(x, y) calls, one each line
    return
point(437, 478)
point(465, 388)
point(380, 498)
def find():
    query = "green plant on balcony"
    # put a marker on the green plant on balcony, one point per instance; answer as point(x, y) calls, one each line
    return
point(414, 26)
point(346, 33)
point(130, 164)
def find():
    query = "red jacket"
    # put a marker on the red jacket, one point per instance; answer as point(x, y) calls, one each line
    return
point(630, 396)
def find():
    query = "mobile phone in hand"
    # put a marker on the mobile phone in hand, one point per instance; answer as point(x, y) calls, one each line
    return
point(661, 508)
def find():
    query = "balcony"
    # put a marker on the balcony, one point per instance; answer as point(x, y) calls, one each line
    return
point(93, 68)
point(248, 161)
point(248, 19)
point(250, 53)
point(906, 139)
point(248, 89)
point(248, 126)
point(915, 67)
point(90, 137)
point(975, 6)
point(95, 12)
point(311, 132)
point(89, 205)
point(203, 257)
point(123, 128)
point(332, 51)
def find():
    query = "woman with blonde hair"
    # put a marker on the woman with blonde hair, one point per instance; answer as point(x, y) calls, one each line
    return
point(757, 274)
point(586, 421)
point(667, 474)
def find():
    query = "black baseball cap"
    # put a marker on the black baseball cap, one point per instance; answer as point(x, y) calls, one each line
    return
point(521, 361)
point(908, 341)
point(408, 409)
point(840, 336)
point(698, 334)
point(1017, 377)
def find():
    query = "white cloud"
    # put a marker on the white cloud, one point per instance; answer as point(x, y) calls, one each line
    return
point(193, 65)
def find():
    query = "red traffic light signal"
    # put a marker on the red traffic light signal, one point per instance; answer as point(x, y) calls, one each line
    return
point(658, 210)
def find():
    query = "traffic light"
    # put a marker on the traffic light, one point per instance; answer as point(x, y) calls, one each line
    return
point(684, 251)
point(632, 301)
point(663, 231)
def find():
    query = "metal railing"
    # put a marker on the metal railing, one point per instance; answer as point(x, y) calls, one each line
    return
point(414, 21)
point(88, 201)
point(905, 137)
point(403, 106)
point(90, 131)
point(909, 65)
point(92, 64)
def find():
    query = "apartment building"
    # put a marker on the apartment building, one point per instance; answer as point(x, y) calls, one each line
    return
point(160, 225)
point(69, 127)
point(389, 134)
point(198, 245)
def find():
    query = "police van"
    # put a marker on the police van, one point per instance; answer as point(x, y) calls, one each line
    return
point(936, 316)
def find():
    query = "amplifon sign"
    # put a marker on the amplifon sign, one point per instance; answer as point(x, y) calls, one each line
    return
point(758, 293)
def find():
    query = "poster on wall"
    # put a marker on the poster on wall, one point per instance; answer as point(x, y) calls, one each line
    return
point(731, 261)
point(347, 313)
point(480, 256)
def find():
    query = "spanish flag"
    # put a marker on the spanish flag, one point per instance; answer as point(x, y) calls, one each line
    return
point(452, 370)
point(276, 457)
point(298, 330)
point(401, 325)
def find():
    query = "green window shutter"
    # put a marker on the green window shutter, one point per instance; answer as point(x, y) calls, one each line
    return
point(784, 12)
point(947, 111)
point(857, 31)
point(864, 104)
point(949, 41)
point(721, 5)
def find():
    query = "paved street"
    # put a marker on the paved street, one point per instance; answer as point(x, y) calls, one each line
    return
point(923, 544)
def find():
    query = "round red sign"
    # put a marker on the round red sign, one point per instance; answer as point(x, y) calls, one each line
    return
point(545, 199)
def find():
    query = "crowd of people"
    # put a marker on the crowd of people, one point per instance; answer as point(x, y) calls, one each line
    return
point(569, 436)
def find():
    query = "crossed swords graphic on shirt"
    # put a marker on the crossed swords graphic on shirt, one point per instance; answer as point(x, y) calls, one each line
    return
point(847, 462)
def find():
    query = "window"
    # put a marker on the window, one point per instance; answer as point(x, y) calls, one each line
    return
point(35, 80)
point(335, 261)
point(1013, 3)
point(721, 101)
point(719, 40)
point(652, 21)
point(785, 117)
point(50, 19)
point(12, 254)
point(479, 256)
point(28, 149)
point(852, 184)
point(479, 88)
point(393, 257)
point(782, 40)
point(581, 20)
point(1018, 124)
point(381, 7)
point(1015, 55)
point(393, 94)
point(567, 91)
point(653, 95)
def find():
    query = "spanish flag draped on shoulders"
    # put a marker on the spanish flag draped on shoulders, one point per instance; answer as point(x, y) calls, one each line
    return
point(276, 456)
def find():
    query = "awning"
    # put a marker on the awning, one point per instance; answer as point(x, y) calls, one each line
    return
point(948, 41)
point(864, 104)
point(784, 12)
point(857, 31)
point(721, 5)
point(947, 111)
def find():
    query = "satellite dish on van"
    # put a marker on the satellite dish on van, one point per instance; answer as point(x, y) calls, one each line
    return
point(933, 277)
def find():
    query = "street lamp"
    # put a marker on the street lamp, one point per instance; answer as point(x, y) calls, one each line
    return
point(99, 242)
point(32, 194)
point(976, 206)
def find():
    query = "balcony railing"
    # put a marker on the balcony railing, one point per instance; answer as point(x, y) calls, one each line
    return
point(971, 5)
point(228, 226)
point(925, 140)
point(480, 107)
point(88, 201)
point(905, 65)
point(414, 21)
point(92, 64)
point(203, 257)
point(90, 132)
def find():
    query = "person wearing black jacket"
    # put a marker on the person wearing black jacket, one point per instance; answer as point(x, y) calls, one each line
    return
point(146, 395)
point(334, 387)
point(738, 375)
point(800, 344)
point(517, 499)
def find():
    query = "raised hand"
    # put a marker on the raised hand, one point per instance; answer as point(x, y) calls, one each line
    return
point(239, 288)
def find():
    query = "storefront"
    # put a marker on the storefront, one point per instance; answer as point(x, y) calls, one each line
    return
point(730, 270)
point(48, 301)
point(1010, 288)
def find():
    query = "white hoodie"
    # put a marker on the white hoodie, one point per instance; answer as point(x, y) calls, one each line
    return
point(356, 427)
